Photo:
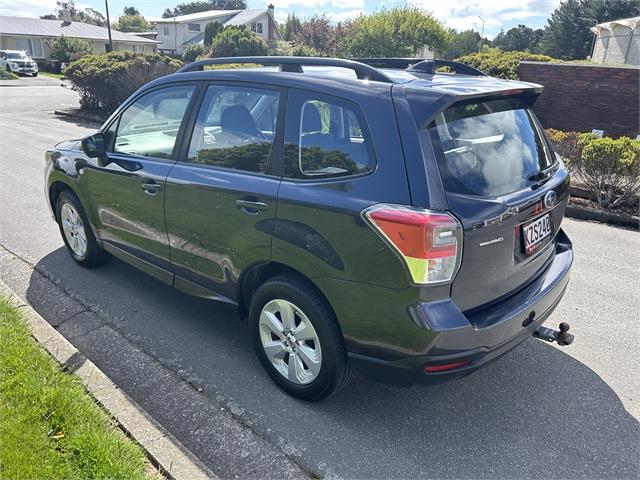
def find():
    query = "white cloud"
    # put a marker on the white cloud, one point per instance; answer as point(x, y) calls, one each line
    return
point(463, 14)
point(26, 8)
point(32, 8)
point(342, 16)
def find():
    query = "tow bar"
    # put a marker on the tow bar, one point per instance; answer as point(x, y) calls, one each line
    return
point(562, 336)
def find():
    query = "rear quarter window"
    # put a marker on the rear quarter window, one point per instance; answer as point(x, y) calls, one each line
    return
point(326, 137)
point(489, 148)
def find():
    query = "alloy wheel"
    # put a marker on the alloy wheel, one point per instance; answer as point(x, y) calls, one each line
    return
point(290, 341)
point(73, 229)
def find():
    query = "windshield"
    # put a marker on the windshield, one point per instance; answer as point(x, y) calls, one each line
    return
point(19, 55)
point(489, 148)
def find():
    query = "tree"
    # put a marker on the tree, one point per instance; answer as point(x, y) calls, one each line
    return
point(211, 31)
point(291, 27)
point(49, 16)
point(567, 34)
point(204, 6)
point(460, 43)
point(236, 41)
point(131, 21)
point(520, 38)
point(67, 49)
point(131, 11)
point(398, 32)
point(321, 35)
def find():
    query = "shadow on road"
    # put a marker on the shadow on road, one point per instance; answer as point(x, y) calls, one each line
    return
point(537, 412)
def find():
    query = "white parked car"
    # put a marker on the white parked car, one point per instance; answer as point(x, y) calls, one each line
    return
point(17, 61)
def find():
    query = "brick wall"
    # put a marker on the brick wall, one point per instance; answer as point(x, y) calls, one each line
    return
point(581, 97)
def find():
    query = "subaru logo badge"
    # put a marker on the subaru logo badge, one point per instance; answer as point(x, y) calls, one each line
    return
point(550, 199)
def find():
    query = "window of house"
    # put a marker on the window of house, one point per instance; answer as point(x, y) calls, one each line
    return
point(165, 30)
point(328, 138)
point(235, 128)
point(193, 27)
point(32, 46)
point(256, 27)
point(149, 127)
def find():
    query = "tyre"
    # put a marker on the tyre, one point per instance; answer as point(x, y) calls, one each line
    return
point(35, 74)
point(76, 232)
point(298, 339)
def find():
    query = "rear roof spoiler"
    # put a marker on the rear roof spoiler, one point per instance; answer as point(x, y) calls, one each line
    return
point(421, 65)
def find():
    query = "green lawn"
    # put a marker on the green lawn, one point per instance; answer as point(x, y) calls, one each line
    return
point(49, 427)
point(52, 75)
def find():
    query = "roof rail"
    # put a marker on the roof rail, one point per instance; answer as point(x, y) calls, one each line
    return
point(295, 64)
point(397, 62)
point(430, 66)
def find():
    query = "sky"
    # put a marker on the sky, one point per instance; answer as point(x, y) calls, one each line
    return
point(459, 14)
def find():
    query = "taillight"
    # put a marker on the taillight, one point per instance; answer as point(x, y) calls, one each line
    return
point(429, 242)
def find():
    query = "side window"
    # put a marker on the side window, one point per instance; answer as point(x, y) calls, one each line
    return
point(149, 127)
point(326, 138)
point(235, 128)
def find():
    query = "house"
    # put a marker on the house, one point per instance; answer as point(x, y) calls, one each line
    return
point(33, 35)
point(617, 42)
point(175, 33)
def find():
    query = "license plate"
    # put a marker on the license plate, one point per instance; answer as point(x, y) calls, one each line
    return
point(535, 232)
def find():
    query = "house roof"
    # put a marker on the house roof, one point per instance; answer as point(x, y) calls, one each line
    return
point(37, 27)
point(630, 23)
point(245, 16)
point(192, 17)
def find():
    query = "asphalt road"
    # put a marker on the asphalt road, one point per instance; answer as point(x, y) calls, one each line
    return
point(540, 411)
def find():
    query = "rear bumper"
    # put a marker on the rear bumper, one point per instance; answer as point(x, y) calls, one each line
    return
point(477, 338)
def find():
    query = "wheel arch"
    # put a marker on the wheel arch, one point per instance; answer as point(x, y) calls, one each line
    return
point(54, 191)
point(256, 275)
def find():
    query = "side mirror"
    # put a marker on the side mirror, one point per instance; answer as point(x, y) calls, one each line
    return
point(93, 146)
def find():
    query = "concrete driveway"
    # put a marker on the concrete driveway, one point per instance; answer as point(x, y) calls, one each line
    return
point(540, 411)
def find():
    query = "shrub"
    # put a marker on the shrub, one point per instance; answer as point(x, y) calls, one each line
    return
point(105, 81)
point(211, 31)
point(67, 49)
point(287, 49)
point(501, 64)
point(237, 42)
point(566, 144)
point(193, 51)
point(611, 168)
point(7, 75)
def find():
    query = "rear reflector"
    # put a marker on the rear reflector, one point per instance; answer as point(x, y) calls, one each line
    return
point(445, 366)
point(429, 242)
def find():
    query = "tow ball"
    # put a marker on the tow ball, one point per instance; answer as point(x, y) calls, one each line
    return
point(562, 336)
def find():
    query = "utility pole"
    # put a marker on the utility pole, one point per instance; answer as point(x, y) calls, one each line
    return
point(481, 35)
point(110, 46)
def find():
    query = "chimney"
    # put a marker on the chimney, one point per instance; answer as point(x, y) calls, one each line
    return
point(271, 8)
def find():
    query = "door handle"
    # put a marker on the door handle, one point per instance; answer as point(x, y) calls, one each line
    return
point(151, 187)
point(252, 207)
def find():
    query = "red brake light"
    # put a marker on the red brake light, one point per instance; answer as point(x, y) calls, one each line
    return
point(429, 242)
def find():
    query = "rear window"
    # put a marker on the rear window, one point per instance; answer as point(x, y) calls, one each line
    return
point(489, 148)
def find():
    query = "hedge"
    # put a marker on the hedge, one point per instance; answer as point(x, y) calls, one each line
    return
point(609, 167)
point(104, 81)
point(501, 64)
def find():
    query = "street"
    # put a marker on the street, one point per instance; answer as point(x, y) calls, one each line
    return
point(540, 411)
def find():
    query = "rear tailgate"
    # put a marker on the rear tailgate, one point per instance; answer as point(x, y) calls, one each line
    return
point(506, 187)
